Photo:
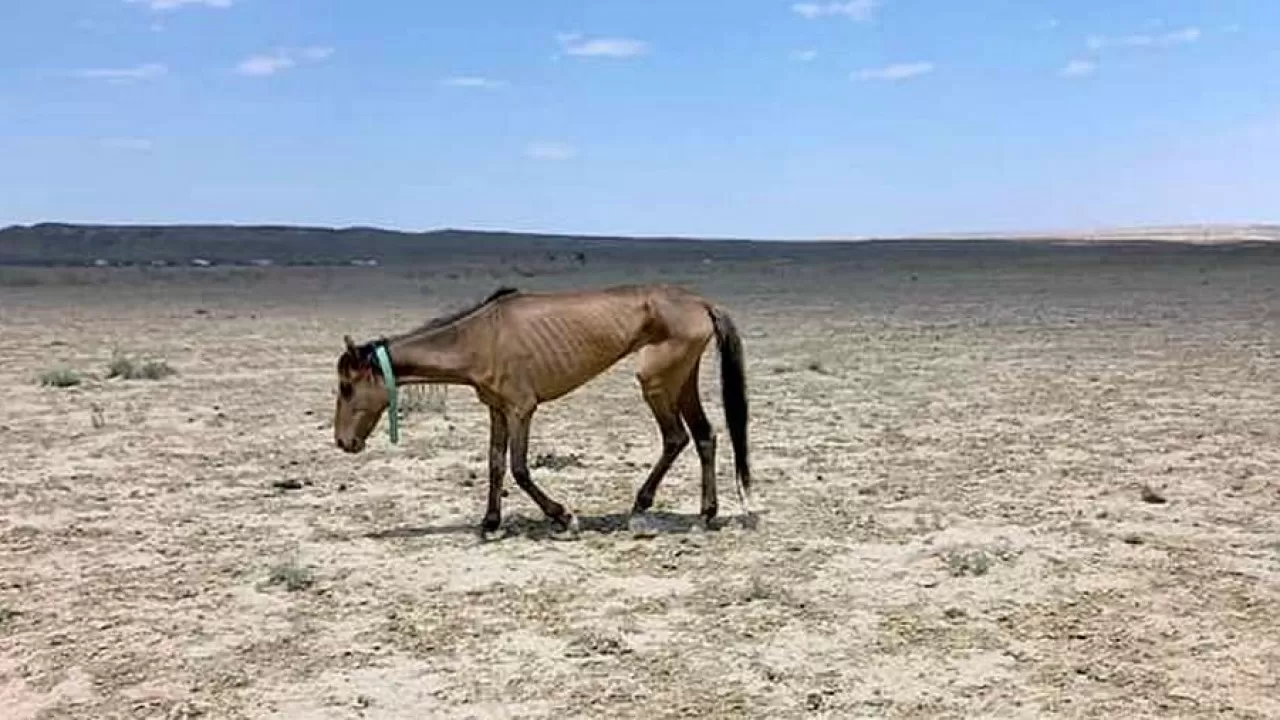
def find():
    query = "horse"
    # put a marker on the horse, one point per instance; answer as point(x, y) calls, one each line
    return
point(518, 350)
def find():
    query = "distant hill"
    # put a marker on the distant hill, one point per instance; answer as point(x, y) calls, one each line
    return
point(1185, 234)
point(66, 244)
point(72, 244)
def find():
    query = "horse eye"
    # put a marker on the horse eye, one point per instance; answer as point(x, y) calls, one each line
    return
point(345, 389)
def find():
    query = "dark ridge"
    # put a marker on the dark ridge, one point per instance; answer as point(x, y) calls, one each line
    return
point(67, 244)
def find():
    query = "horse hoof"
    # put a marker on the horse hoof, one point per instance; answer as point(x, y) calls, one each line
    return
point(706, 524)
point(568, 530)
point(642, 526)
point(492, 535)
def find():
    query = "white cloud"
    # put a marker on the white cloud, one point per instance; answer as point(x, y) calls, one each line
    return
point(1097, 43)
point(612, 47)
point(895, 72)
point(125, 76)
point(262, 65)
point(281, 60)
point(860, 10)
point(550, 151)
point(1078, 68)
point(176, 4)
point(129, 144)
point(1178, 37)
point(804, 55)
point(472, 81)
point(316, 54)
point(1173, 37)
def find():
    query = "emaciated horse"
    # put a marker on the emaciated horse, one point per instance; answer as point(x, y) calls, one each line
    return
point(519, 350)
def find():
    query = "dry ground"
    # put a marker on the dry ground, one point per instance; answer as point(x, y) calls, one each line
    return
point(951, 465)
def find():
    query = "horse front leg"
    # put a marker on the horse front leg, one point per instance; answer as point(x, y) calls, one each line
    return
point(519, 424)
point(499, 437)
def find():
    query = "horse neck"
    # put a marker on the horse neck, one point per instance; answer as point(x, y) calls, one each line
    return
point(433, 357)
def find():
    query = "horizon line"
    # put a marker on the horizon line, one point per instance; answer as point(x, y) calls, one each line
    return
point(1217, 230)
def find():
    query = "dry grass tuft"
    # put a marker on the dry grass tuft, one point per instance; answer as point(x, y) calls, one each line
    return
point(61, 378)
point(292, 574)
point(418, 399)
point(126, 367)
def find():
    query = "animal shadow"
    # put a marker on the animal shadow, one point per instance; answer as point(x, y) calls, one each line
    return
point(541, 529)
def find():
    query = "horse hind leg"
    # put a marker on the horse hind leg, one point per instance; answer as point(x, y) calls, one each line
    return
point(661, 376)
point(674, 440)
point(704, 440)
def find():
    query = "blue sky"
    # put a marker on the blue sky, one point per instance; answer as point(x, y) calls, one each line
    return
point(756, 118)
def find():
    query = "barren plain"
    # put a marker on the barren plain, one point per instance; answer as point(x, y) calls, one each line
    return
point(990, 486)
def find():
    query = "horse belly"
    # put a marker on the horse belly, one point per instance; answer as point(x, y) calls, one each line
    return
point(571, 347)
point(578, 372)
point(581, 358)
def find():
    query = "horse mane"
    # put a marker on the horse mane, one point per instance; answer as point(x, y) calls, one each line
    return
point(453, 317)
point(364, 352)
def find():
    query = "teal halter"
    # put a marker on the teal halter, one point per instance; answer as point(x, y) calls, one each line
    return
point(389, 379)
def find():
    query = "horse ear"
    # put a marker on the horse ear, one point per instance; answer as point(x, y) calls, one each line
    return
point(351, 345)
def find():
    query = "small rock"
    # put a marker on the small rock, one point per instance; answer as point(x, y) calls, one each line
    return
point(1151, 495)
point(287, 484)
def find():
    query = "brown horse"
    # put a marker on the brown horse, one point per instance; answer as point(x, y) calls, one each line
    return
point(519, 350)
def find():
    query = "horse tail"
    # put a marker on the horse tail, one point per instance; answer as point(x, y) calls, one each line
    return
point(733, 389)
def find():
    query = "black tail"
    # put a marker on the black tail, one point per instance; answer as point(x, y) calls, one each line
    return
point(733, 388)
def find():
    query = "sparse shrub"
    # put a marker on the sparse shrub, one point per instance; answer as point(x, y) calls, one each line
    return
point(127, 368)
point(120, 366)
point(97, 417)
point(61, 378)
point(976, 560)
point(757, 589)
point(596, 643)
point(967, 561)
point(555, 461)
point(423, 398)
point(291, 574)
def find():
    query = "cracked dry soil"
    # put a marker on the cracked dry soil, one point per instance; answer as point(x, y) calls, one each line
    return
point(952, 464)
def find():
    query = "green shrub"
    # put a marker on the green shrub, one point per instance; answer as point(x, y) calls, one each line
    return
point(61, 378)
